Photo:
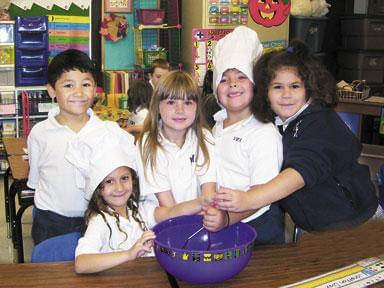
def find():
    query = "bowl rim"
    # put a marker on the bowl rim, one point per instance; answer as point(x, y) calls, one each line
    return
point(251, 230)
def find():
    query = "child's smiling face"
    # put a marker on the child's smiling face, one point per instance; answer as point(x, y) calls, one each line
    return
point(74, 92)
point(177, 116)
point(117, 188)
point(235, 92)
point(286, 93)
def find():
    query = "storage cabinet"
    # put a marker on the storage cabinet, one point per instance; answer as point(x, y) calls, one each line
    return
point(31, 50)
point(7, 83)
point(362, 53)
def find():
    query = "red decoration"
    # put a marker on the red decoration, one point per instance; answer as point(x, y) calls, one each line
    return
point(269, 12)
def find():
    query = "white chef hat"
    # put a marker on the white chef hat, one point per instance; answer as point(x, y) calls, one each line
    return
point(238, 49)
point(98, 152)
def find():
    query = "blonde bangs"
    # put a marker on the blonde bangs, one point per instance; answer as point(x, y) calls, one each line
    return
point(178, 86)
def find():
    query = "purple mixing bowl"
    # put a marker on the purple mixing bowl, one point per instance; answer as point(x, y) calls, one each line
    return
point(208, 257)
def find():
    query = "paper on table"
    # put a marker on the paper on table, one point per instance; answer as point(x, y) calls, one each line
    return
point(361, 274)
point(376, 99)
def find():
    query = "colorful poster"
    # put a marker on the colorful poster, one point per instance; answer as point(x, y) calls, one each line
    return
point(68, 32)
point(204, 41)
point(227, 12)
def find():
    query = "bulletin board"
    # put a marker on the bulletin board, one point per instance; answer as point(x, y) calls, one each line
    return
point(68, 28)
point(119, 55)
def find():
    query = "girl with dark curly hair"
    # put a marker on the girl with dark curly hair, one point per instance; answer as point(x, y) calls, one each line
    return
point(321, 184)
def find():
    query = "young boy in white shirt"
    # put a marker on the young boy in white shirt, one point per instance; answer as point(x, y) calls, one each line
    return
point(59, 203)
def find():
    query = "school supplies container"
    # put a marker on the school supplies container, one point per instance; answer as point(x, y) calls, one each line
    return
point(150, 16)
point(7, 53)
point(363, 32)
point(308, 29)
point(151, 55)
point(361, 64)
point(31, 51)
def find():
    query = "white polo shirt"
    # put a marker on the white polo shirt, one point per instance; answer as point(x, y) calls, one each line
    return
point(96, 238)
point(247, 153)
point(177, 170)
point(138, 117)
point(50, 173)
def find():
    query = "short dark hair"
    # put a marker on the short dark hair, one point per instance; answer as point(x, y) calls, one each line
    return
point(159, 63)
point(70, 60)
point(139, 94)
point(319, 84)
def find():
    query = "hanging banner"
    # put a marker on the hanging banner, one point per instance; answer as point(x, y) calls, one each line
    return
point(47, 4)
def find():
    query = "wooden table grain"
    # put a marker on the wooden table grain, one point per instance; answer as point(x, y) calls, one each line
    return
point(14, 146)
point(19, 167)
point(140, 273)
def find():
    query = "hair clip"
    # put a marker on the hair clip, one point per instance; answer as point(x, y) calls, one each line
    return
point(290, 49)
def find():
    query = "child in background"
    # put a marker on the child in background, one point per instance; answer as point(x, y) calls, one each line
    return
point(60, 205)
point(175, 150)
point(117, 223)
point(159, 68)
point(248, 146)
point(321, 185)
point(139, 96)
point(210, 106)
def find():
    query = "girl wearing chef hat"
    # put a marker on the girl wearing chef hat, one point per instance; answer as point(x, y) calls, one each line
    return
point(248, 147)
point(117, 222)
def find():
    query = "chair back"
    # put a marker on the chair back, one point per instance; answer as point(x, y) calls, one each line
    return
point(56, 249)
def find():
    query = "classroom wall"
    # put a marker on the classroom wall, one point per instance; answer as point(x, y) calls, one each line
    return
point(120, 55)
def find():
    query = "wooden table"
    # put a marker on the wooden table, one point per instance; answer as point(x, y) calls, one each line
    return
point(145, 272)
point(360, 106)
point(19, 167)
point(272, 266)
point(14, 146)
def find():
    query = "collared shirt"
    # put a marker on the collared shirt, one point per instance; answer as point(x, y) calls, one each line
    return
point(138, 117)
point(97, 238)
point(50, 173)
point(177, 170)
point(284, 124)
point(248, 153)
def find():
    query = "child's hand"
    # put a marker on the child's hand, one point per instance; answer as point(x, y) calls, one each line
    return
point(232, 200)
point(214, 219)
point(207, 198)
point(144, 244)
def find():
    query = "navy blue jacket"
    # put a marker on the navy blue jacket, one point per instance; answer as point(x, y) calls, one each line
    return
point(338, 190)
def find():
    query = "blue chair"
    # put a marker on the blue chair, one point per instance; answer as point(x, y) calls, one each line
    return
point(55, 249)
point(380, 182)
